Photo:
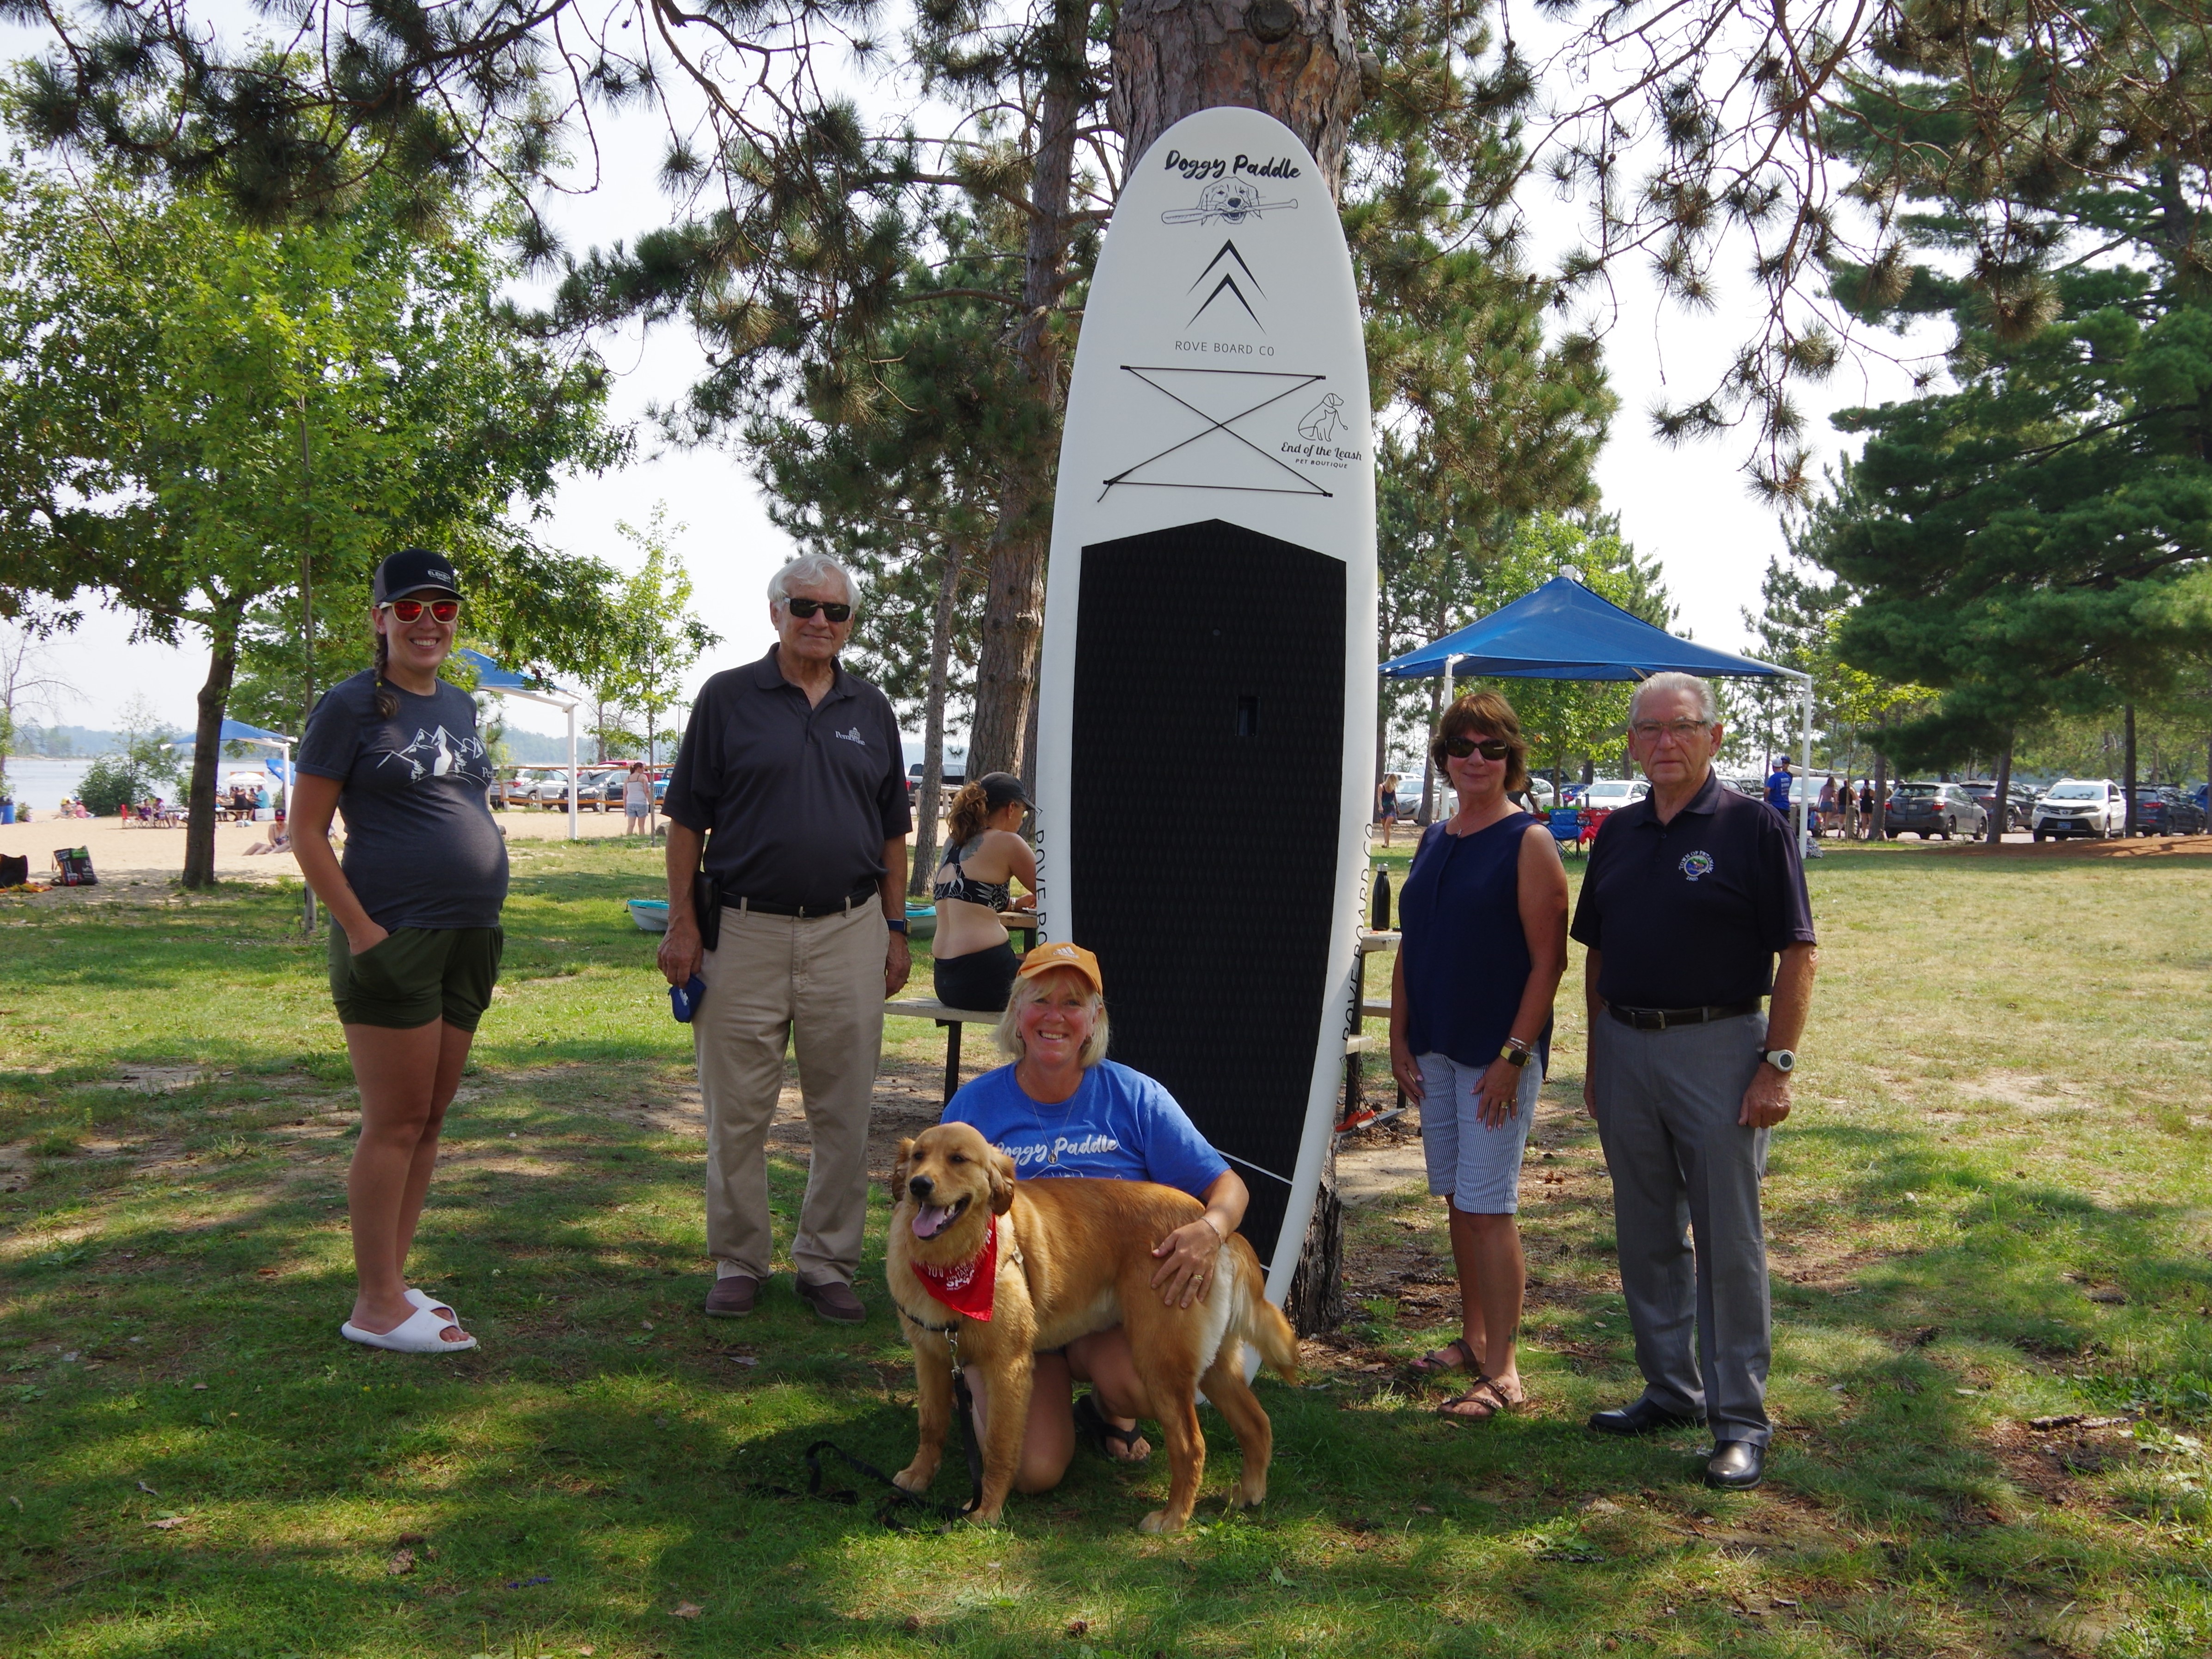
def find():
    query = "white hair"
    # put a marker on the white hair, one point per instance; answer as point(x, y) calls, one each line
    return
point(1709, 705)
point(812, 568)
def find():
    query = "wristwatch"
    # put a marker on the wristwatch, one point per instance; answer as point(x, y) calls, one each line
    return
point(1782, 1059)
point(1515, 1053)
point(897, 926)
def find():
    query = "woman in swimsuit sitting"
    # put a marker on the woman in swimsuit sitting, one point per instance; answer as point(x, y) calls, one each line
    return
point(983, 856)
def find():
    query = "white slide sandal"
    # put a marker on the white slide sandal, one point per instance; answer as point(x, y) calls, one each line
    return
point(420, 1332)
point(425, 1300)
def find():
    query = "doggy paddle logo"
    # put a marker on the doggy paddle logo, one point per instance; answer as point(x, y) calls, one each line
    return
point(1697, 864)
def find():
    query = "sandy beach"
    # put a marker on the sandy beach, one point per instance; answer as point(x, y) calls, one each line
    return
point(123, 852)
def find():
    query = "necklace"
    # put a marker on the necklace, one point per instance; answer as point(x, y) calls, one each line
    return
point(1036, 1116)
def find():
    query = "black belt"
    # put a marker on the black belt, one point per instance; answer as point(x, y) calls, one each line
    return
point(1659, 1019)
point(857, 896)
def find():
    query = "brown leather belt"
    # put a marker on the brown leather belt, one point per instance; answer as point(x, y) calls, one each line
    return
point(1659, 1019)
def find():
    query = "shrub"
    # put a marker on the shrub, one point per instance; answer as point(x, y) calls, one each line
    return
point(110, 780)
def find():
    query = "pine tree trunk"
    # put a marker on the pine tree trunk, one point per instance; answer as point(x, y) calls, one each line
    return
point(2129, 715)
point(1014, 601)
point(1295, 59)
point(930, 803)
point(207, 748)
point(1879, 828)
point(2002, 815)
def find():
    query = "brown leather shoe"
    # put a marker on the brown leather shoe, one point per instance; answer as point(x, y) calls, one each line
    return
point(734, 1296)
point(834, 1302)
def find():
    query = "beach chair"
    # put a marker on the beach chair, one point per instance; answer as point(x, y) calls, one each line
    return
point(1567, 827)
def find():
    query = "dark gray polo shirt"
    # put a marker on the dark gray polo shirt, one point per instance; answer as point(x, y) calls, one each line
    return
point(1691, 913)
point(796, 802)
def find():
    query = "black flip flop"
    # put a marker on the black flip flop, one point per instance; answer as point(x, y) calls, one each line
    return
point(1111, 1443)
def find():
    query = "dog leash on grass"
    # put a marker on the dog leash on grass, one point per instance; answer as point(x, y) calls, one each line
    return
point(964, 1402)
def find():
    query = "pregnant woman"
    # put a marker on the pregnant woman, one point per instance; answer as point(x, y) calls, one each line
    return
point(983, 856)
point(415, 939)
point(1484, 915)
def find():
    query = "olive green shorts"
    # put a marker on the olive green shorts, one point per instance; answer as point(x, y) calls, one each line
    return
point(417, 974)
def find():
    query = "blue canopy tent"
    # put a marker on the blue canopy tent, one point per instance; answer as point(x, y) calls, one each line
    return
point(240, 731)
point(506, 682)
point(1563, 631)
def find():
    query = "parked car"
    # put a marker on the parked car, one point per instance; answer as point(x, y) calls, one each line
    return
point(1929, 810)
point(2020, 803)
point(954, 773)
point(2160, 811)
point(517, 786)
point(1608, 795)
point(2080, 807)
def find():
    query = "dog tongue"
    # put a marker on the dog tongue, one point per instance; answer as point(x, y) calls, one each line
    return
point(931, 1219)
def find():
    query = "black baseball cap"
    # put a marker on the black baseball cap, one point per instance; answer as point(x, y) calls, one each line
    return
point(411, 570)
point(1003, 789)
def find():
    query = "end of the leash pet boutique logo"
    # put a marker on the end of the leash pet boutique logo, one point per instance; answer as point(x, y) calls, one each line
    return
point(1697, 864)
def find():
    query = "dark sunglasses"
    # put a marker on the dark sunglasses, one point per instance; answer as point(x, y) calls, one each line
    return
point(1490, 748)
point(837, 613)
point(408, 610)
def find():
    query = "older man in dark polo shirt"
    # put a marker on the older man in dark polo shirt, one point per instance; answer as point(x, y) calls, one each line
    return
point(793, 780)
point(1691, 896)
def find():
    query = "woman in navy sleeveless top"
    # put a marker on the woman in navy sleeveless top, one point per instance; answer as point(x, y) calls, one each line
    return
point(1484, 918)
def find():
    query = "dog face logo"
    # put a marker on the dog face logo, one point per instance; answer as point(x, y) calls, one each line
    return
point(1231, 200)
point(1697, 864)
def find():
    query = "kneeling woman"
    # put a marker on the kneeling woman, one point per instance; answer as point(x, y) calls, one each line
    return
point(1062, 1108)
point(984, 855)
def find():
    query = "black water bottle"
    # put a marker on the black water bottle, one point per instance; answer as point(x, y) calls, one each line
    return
point(1382, 900)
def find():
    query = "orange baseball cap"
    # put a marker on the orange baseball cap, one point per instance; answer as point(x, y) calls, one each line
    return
point(1045, 957)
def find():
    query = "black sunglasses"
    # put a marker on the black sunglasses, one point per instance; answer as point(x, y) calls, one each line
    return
point(1490, 748)
point(837, 613)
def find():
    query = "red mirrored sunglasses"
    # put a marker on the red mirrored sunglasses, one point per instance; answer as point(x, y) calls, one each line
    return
point(408, 610)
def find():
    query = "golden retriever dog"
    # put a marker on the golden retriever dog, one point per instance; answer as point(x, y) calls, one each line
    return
point(1073, 1256)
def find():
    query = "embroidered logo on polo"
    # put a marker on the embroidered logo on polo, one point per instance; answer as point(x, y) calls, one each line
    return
point(1697, 864)
point(853, 736)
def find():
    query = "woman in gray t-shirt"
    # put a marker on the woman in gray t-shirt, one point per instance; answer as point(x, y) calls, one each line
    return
point(415, 940)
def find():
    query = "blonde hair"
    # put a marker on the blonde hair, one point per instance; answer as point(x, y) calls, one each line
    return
point(1029, 990)
point(965, 817)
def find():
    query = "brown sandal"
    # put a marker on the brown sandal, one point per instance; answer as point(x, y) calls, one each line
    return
point(1487, 1399)
point(1429, 1365)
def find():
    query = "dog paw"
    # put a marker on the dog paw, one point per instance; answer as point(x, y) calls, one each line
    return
point(985, 1517)
point(1247, 1495)
point(912, 1479)
point(1159, 1521)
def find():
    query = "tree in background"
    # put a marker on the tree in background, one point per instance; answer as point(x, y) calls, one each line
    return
point(27, 682)
point(163, 371)
point(653, 637)
point(144, 764)
point(2030, 540)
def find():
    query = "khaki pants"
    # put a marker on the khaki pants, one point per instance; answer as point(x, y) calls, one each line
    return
point(817, 982)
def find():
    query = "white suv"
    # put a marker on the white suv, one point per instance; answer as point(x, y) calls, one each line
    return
point(2080, 807)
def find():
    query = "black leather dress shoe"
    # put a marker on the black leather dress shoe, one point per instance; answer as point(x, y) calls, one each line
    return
point(1736, 1465)
point(1642, 1418)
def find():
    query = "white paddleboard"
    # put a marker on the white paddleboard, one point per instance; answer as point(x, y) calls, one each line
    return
point(1206, 715)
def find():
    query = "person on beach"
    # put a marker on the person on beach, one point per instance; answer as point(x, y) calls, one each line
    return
point(1484, 941)
point(1386, 805)
point(415, 910)
point(637, 798)
point(1063, 1108)
point(984, 854)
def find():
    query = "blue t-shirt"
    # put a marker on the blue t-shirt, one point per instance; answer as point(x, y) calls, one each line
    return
point(1119, 1125)
point(1777, 791)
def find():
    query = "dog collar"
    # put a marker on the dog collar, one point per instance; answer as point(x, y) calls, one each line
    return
point(966, 1287)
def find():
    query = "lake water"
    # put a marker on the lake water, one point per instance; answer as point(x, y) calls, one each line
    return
point(41, 781)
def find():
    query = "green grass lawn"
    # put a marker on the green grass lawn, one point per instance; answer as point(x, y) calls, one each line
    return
point(1992, 1207)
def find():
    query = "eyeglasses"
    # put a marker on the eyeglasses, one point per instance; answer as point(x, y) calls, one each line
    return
point(837, 613)
point(1681, 731)
point(408, 610)
point(1490, 748)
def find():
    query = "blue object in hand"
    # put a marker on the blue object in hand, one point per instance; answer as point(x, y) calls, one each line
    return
point(683, 1001)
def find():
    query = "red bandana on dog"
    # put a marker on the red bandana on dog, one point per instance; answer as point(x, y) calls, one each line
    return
point(966, 1286)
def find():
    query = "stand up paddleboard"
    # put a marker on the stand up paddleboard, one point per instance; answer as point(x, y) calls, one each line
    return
point(1206, 717)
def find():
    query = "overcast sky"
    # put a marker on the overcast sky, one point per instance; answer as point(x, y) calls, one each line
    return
point(1690, 505)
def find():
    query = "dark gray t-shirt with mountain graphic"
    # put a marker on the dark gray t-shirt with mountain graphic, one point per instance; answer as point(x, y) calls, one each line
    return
point(421, 849)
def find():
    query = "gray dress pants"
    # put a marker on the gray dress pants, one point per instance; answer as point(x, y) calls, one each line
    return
point(1685, 1180)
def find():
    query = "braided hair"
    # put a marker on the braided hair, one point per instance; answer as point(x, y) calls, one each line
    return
point(387, 700)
